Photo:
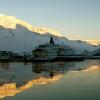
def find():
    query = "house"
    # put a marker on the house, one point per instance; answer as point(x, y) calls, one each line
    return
point(4, 55)
point(65, 51)
point(46, 51)
point(51, 51)
point(39, 53)
point(97, 52)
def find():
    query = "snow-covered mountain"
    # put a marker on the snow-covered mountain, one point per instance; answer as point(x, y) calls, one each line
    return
point(11, 22)
point(93, 42)
point(19, 36)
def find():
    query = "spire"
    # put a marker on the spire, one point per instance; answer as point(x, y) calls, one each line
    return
point(51, 40)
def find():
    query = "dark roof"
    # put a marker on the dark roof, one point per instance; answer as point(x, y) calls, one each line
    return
point(48, 44)
point(40, 50)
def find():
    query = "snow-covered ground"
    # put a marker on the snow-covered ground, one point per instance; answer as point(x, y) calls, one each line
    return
point(93, 42)
point(19, 36)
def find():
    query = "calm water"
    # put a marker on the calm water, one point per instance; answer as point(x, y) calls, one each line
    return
point(50, 81)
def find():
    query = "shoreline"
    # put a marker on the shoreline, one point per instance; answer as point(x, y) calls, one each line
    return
point(47, 60)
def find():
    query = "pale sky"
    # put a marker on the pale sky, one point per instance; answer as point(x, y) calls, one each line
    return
point(76, 19)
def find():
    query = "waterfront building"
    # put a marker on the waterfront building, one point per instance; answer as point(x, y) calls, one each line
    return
point(51, 50)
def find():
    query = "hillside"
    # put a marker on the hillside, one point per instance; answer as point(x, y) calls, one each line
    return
point(93, 42)
point(19, 36)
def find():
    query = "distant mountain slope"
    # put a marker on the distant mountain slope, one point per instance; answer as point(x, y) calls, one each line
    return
point(11, 22)
point(93, 42)
point(19, 36)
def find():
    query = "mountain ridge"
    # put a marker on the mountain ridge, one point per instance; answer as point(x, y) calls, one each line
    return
point(10, 22)
point(19, 36)
point(93, 42)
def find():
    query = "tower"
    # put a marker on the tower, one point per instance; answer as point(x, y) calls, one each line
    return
point(51, 40)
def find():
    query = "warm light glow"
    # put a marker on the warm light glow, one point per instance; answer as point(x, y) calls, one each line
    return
point(92, 69)
point(46, 30)
point(11, 22)
point(93, 42)
point(10, 89)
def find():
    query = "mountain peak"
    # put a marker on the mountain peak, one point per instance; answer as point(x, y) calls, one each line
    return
point(2, 14)
point(43, 30)
point(93, 42)
point(10, 22)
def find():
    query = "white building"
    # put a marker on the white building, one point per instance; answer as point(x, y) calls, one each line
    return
point(51, 51)
point(65, 51)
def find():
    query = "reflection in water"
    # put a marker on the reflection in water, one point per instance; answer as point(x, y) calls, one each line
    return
point(21, 77)
point(93, 68)
point(4, 65)
point(52, 68)
point(11, 89)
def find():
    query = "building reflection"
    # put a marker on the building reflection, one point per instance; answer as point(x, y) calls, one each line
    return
point(53, 68)
point(11, 89)
point(24, 76)
point(18, 80)
point(5, 65)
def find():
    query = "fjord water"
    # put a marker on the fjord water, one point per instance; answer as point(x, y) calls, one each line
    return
point(50, 80)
